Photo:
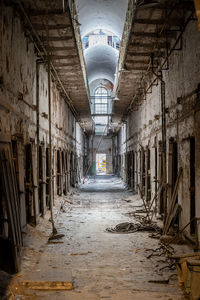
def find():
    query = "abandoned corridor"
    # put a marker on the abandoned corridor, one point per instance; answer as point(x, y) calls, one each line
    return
point(103, 265)
point(99, 117)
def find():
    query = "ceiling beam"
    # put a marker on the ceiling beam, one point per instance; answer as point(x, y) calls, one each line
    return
point(148, 45)
point(174, 22)
point(56, 49)
point(140, 68)
point(155, 53)
point(56, 38)
point(186, 5)
point(156, 35)
point(53, 57)
point(58, 65)
point(51, 27)
point(142, 62)
point(44, 12)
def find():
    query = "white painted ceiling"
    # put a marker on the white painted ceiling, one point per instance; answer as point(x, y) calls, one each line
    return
point(105, 14)
point(101, 61)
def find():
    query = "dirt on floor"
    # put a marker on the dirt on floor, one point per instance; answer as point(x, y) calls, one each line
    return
point(104, 265)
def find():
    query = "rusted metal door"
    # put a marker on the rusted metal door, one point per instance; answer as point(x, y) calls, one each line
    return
point(10, 197)
point(20, 158)
point(34, 184)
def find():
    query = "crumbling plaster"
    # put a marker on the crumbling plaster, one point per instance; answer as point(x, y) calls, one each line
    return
point(18, 92)
point(144, 125)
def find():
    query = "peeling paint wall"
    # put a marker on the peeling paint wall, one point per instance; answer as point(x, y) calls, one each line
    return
point(182, 113)
point(18, 105)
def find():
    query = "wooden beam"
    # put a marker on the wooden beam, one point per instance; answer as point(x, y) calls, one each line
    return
point(173, 22)
point(156, 35)
point(64, 48)
point(51, 27)
point(44, 12)
point(139, 68)
point(58, 65)
point(142, 62)
point(148, 45)
point(186, 5)
point(56, 38)
point(53, 57)
point(155, 53)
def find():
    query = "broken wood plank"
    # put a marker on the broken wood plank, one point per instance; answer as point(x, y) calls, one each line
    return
point(173, 202)
point(49, 285)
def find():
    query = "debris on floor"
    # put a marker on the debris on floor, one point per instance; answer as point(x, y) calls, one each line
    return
point(133, 227)
point(81, 253)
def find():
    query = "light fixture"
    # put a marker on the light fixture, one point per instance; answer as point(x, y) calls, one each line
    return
point(147, 3)
point(116, 98)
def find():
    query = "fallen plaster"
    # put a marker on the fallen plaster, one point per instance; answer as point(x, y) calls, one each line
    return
point(103, 265)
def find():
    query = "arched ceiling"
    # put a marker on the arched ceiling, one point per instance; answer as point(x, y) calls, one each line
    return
point(101, 82)
point(104, 14)
point(101, 62)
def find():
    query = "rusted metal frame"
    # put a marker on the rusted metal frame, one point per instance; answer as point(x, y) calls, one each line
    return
point(56, 76)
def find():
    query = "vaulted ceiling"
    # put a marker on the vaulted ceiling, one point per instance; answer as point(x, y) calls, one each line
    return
point(150, 30)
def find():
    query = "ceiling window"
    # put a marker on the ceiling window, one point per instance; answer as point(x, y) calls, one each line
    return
point(101, 101)
point(101, 37)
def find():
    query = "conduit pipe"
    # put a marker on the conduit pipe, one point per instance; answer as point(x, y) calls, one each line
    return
point(164, 137)
point(38, 120)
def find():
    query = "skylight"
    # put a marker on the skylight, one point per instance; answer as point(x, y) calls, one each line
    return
point(101, 37)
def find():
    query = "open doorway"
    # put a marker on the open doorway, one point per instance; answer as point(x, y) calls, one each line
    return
point(101, 163)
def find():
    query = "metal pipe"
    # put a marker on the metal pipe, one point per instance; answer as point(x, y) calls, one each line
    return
point(38, 121)
point(164, 136)
point(54, 231)
point(164, 158)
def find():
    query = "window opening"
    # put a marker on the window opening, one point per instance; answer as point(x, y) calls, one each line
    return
point(101, 37)
point(101, 108)
point(101, 163)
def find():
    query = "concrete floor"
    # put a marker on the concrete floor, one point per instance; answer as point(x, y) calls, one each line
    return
point(103, 265)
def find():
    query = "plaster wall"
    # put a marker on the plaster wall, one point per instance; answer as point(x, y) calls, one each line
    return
point(144, 125)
